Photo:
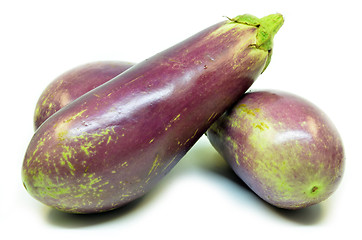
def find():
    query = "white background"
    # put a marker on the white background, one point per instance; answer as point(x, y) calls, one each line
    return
point(317, 55)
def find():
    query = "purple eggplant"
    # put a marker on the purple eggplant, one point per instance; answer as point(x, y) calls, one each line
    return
point(282, 146)
point(73, 84)
point(114, 143)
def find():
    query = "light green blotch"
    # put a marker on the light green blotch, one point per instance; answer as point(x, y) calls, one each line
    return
point(104, 135)
point(93, 186)
point(67, 154)
point(235, 148)
point(85, 148)
point(40, 143)
point(47, 156)
point(43, 186)
point(109, 139)
point(155, 165)
point(44, 101)
point(277, 166)
point(71, 118)
point(270, 162)
point(62, 134)
point(264, 161)
point(37, 112)
point(244, 113)
point(243, 109)
point(91, 182)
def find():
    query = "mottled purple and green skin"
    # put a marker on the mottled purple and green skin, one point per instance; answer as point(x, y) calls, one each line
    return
point(282, 146)
point(114, 143)
point(73, 84)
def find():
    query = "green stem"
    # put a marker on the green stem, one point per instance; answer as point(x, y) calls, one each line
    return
point(267, 28)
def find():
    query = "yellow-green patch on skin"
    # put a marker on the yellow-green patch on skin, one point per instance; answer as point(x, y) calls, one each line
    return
point(75, 116)
point(155, 164)
point(261, 126)
point(47, 156)
point(172, 121)
point(37, 113)
point(177, 117)
point(91, 184)
point(275, 166)
point(98, 136)
point(67, 155)
point(43, 185)
point(44, 101)
point(86, 148)
point(61, 129)
point(40, 143)
point(62, 134)
point(262, 161)
point(235, 149)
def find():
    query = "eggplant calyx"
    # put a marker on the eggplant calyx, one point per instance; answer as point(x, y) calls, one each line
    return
point(267, 26)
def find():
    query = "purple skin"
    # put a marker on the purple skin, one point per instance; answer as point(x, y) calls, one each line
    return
point(282, 146)
point(73, 84)
point(114, 143)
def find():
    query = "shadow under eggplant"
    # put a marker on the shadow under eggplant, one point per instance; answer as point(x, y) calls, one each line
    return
point(205, 158)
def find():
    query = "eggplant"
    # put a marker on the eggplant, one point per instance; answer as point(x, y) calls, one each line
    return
point(74, 83)
point(282, 146)
point(113, 144)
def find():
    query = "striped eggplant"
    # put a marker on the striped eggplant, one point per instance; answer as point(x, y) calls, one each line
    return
point(73, 84)
point(114, 143)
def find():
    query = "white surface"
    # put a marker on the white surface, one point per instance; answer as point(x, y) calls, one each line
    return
point(317, 55)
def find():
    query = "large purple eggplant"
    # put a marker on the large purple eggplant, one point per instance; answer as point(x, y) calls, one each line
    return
point(282, 146)
point(114, 143)
point(73, 84)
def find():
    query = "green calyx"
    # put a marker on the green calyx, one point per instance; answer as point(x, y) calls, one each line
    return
point(267, 26)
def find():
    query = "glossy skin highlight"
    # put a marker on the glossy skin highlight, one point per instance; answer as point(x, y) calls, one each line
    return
point(114, 143)
point(282, 146)
point(73, 84)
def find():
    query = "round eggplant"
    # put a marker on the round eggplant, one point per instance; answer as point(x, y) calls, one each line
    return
point(282, 146)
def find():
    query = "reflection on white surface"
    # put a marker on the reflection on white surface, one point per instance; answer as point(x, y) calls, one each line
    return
point(292, 135)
